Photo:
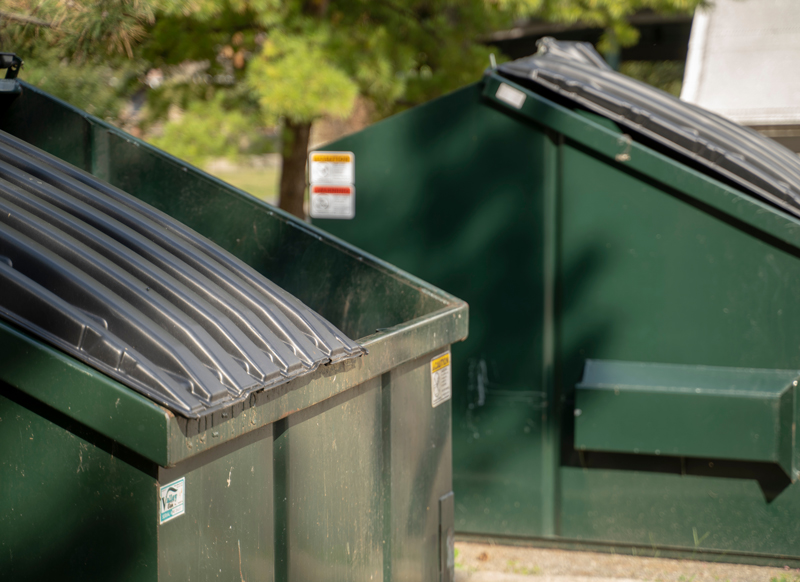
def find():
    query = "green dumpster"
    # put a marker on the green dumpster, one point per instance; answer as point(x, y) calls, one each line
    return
point(632, 266)
point(180, 396)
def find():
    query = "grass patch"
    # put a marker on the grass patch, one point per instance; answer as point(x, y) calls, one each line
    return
point(517, 568)
point(260, 182)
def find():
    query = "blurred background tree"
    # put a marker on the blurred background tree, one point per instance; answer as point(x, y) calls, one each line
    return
point(82, 52)
point(205, 79)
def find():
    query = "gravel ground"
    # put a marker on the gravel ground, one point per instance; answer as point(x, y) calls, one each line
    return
point(494, 563)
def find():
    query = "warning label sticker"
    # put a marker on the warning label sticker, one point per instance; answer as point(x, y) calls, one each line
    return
point(172, 500)
point(331, 168)
point(332, 201)
point(440, 379)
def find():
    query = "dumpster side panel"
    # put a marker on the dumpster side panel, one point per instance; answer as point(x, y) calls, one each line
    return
point(51, 125)
point(421, 473)
point(86, 395)
point(664, 279)
point(72, 506)
point(452, 191)
point(328, 489)
point(349, 293)
point(226, 532)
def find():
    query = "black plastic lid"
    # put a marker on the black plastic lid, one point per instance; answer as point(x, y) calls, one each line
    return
point(141, 297)
point(575, 72)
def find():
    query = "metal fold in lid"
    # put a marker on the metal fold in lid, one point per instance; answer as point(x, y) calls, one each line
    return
point(141, 297)
point(576, 73)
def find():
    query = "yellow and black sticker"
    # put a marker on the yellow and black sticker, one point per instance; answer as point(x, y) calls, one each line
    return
point(332, 168)
point(440, 379)
point(332, 158)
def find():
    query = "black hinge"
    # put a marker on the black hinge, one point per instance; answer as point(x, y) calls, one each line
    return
point(10, 88)
point(11, 62)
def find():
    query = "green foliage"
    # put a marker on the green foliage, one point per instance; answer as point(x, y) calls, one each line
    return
point(394, 53)
point(237, 65)
point(261, 182)
point(264, 12)
point(116, 25)
point(210, 129)
point(199, 58)
point(517, 568)
point(664, 75)
point(80, 51)
point(296, 79)
point(95, 88)
point(81, 30)
point(175, 38)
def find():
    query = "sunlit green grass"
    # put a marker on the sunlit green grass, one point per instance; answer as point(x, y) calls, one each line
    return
point(260, 182)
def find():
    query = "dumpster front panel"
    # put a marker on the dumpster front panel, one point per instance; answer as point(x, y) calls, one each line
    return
point(73, 505)
point(226, 531)
point(453, 193)
point(650, 513)
point(420, 466)
point(663, 280)
point(328, 489)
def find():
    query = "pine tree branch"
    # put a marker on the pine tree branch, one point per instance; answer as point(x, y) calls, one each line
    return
point(21, 18)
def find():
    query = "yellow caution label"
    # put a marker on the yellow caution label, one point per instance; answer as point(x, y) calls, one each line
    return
point(440, 362)
point(440, 379)
point(332, 158)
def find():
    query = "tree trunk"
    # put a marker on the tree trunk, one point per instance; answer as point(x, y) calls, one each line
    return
point(293, 171)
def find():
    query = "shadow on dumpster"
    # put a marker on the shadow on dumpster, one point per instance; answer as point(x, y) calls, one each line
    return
point(58, 518)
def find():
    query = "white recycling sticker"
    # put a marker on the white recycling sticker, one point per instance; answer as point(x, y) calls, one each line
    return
point(172, 500)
